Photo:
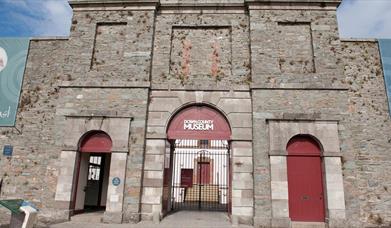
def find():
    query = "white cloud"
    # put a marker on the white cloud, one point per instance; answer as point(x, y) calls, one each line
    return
point(365, 18)
point(42, 17)
point(356, 18)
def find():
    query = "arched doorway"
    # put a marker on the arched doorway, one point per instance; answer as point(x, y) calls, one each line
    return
point(92, 176)
point(197, 167)
point(305, 180)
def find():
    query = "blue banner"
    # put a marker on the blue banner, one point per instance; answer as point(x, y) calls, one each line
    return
point(385, 52)
point(13, 55)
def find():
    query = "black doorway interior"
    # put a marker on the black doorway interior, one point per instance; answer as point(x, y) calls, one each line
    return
point(96, 188)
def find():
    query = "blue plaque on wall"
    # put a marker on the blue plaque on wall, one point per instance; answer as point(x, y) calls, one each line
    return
point(116, 181)
point(7, 150)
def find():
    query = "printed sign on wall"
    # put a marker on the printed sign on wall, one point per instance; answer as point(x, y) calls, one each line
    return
point(13, 55)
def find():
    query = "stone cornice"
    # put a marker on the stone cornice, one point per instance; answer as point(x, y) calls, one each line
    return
point(294, 4)
point(253, 4)
point(113, 4)
point(202, 4)
point(133, 2)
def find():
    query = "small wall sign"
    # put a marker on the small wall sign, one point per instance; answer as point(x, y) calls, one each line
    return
point(7, 150)
point(116, 181)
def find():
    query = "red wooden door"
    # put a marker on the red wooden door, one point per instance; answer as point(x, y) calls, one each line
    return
point(204, 172)
point(305, 183)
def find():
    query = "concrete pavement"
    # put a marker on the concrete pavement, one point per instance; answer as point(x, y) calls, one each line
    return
point(181, 219)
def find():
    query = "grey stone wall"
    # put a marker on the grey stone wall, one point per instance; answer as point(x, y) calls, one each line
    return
point(201, 50)
point(111, 103)
point(296, 77)
point(32, 170)
point(110, 48)
point(367, 162)
point(295, 48)
point(79, 76)
point(285, 63)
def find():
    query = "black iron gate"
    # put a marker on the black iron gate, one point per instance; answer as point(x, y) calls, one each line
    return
point(200, 175)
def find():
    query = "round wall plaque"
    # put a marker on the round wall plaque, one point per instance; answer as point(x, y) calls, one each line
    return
point(116, 181)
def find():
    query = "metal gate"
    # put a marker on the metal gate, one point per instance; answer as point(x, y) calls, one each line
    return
point(200, 175)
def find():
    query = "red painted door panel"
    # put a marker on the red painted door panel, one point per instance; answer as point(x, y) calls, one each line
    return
point(204, 172)
point(305, 189)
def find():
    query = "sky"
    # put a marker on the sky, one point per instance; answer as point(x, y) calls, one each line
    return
point(40, 18)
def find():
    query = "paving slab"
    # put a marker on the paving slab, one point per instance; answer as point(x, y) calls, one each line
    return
point(182, 219)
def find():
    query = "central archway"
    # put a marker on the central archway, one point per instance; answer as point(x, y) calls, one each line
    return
point(197, 168)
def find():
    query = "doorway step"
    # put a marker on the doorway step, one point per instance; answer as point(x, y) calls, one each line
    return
point(209, 193)
point(88, 217)
point(308, 225)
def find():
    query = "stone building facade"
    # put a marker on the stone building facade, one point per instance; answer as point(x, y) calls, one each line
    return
point(275, 69)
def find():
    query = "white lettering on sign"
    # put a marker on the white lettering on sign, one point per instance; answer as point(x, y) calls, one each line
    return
point(6, 113)
point(198, 125)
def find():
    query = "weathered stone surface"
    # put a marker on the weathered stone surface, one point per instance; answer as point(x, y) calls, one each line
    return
point(365, 141)
point(202, 51)
point(297, 49)
point(273, 68)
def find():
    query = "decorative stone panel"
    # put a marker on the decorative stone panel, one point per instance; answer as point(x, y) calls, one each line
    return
point(108, 48)
point(295, 48)
point(201, 51)
point(108, 34)
point(300, 59)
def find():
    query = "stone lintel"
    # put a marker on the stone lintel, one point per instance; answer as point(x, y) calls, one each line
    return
point(88, 85)
point(296, 86)
point(205, 88)
point(369, 40)
point(302, 118)
point(285, 153)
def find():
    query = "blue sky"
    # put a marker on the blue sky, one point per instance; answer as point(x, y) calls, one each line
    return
point(35, 18)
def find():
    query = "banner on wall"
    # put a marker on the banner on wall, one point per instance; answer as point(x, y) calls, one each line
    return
point(385, 52)
point(13, 56)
